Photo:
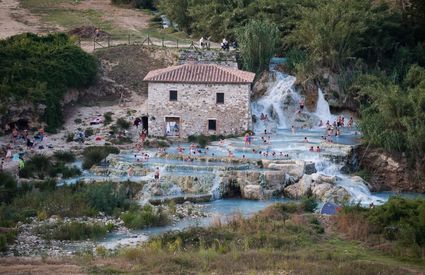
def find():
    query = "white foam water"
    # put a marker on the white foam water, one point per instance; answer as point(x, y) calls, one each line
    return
point(323, 111)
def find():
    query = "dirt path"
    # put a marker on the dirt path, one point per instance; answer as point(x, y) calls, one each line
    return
point(35, 266)
point(15, 20)
point(124, 18)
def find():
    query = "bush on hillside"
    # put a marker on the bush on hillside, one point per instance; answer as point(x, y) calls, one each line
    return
point(8, 187)
point(75, 231)
point(308, 204)
point(140, 4)
point(95, 154)
point(106, 197)
point(258, 43)
point(40, 69)
point(140, 218)
point(65, 156)
point(122, 123)
point(107, 118)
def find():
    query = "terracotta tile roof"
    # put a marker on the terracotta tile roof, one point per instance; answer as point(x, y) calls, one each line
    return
point(199, 73)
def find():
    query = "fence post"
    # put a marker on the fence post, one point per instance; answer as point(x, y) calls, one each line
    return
point(177, 42)
point(129, 39)
point(162, 41)
point(109, 41)
point(148, 39)
point(94, 43)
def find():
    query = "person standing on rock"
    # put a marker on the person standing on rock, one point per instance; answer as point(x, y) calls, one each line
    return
point(21, 166)
point(130, 171)
point(156, 175)
point(15, 134)
point(246, 139)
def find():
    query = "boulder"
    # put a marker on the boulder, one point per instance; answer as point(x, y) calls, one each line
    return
point(260, 86)
point(299, 189)
point(321, 191)
point(252, 192)
point(294, 168)
point(320, 178)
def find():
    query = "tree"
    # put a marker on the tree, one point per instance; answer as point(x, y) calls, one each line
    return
point(332, 30)
point(257, 41)
point(177, 11)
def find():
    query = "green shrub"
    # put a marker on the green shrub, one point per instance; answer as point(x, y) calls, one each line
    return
point(75, 231)
point(308, 204)
point(70, 137)
point(105, 197)
point(139, 218)
point(95, 154)
point(3, 243)
point(47, 185)
point(67, 172)
point(8, 187)
point(202, 141)
point(288, 207)
point(88, 132)
point(317, 227)
point(65, 156)
point(258, 41)
point(139, 4)
point(122, 123)
point(162, 143)
point(107, 118)
point(121, 140)
point(39, 69)
point(400, 219)
point(38, 166)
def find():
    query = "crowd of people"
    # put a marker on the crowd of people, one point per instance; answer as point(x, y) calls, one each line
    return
point(21, 143)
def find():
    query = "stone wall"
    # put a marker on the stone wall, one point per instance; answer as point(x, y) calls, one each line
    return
point(196, 104)
point(203, 56)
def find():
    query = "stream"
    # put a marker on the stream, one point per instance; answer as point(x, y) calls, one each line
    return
point(206, 175)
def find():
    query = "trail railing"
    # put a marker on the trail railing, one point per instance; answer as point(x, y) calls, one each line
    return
point(130, 39)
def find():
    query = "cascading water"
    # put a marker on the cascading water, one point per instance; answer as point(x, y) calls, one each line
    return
point(323, 111)
point(359, 192)
point(272, 102)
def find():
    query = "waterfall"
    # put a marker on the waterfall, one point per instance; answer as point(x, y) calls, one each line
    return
point(323, 111)
point(358, 191)
point(277, 99)
point(216, 188)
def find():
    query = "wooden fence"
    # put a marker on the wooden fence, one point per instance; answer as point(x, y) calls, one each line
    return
point(110, 41)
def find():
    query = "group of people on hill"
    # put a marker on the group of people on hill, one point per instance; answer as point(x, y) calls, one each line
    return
point(225, 45)
point(22, 142)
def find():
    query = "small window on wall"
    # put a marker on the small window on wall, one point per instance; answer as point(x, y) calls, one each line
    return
point(220, 98)
point(212, 125)
point(173, 95)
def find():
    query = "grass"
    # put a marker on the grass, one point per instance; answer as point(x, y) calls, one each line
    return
point(279, 239)
point(143, 217)
point(65, 156)
point(75, 231)
point(55, 13)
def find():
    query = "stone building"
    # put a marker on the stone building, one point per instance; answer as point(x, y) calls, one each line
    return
point(194, 99)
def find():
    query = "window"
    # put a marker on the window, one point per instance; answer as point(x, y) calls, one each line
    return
point(212, 125)
point(220, 98)
point(173, 95)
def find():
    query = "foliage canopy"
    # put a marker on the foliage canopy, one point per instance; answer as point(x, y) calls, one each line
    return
point(39, 69)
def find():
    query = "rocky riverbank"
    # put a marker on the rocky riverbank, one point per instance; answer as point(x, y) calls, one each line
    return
point(31, 238)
